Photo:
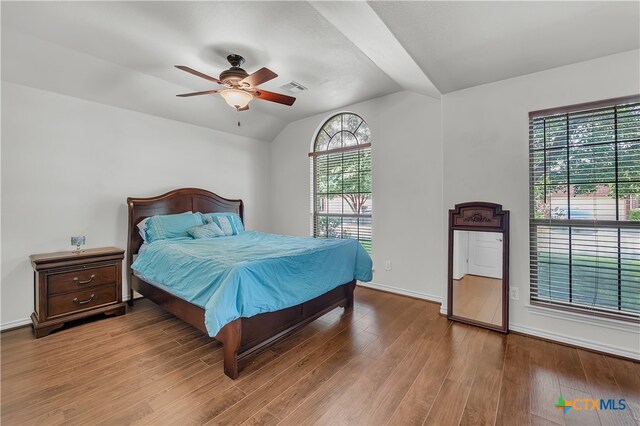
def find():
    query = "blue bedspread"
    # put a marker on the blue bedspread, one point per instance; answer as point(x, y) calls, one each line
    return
point(251, 273)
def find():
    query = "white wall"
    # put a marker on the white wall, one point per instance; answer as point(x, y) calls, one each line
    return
point(485, 133)
point(68, 166)
point(407, 188)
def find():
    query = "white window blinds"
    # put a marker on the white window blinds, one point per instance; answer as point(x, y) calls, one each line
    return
point(585, 208)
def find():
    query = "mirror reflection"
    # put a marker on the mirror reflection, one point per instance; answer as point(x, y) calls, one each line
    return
point(477, 276)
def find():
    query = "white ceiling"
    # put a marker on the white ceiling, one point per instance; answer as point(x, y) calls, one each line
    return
point(122, 53)
point(467, 43)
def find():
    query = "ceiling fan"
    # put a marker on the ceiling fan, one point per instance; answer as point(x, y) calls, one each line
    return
point(241, 87)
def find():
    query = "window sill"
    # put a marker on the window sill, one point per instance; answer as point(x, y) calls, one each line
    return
point(585, 319)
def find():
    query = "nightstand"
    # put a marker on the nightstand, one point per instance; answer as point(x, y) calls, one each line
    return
point(69, 286)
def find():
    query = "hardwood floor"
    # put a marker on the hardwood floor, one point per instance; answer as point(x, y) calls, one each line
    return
point(393, 360)
point(478, 298)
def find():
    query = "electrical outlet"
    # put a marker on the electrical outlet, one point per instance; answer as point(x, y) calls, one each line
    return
point(387, 265)
point(514, 293)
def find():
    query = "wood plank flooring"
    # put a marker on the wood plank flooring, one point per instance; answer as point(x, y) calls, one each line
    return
point(393, 360)
point(478, 298)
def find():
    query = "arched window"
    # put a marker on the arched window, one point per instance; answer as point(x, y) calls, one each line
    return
point(341, 179)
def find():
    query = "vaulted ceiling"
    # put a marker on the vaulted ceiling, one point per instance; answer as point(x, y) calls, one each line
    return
point(122, 53)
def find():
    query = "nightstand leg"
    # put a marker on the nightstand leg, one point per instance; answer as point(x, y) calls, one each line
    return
point(44, 331)
point(41, 331)
point(120, 310)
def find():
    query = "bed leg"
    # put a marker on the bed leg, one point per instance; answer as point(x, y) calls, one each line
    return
point(130, 290)
point(130, 301)
point(350, 289)
point(230, 336)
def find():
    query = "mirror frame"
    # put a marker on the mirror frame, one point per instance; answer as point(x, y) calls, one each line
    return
point(487, 217)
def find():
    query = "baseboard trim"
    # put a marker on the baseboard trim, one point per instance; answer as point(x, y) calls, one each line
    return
point(529, 331)
point(591, 321)
point(10, 325)
point(576, 342)
point(402, 292)
point(15, 324)
point(569, 340)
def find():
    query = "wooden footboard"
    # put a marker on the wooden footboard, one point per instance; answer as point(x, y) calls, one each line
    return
point(245, 336)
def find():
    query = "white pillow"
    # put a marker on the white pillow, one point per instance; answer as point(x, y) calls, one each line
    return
point(142, 227)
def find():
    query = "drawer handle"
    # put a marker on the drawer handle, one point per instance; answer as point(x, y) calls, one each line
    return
point(76, 279)
point(83, 302)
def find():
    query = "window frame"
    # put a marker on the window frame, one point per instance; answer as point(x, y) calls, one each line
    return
point(315, 154)
point(594, 310)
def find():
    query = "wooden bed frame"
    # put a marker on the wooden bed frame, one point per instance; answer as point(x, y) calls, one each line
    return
point(243, 336)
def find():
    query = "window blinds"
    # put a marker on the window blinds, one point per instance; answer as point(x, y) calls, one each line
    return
point(341, 195)
point(585, 208)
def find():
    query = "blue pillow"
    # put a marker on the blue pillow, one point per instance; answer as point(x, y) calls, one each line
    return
point(209, 230)
point(162, 227)
point(230, 223)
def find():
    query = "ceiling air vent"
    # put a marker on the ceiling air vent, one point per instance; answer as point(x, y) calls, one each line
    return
point(293, 87)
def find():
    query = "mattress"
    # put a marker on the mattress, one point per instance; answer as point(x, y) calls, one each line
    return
point(251, 273)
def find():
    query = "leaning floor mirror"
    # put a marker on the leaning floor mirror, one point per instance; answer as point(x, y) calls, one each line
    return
point(478, 290)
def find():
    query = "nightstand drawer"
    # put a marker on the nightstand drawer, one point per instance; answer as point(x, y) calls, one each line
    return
point(81, 278)
point(80, 300)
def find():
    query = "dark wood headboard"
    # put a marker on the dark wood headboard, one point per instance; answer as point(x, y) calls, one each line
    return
point(173, 202)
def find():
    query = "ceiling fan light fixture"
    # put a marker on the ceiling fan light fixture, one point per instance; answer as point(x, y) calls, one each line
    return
point(236, 98)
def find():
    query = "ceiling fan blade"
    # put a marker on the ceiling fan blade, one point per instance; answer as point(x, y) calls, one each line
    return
point(274, 97)
point(198, 73)
point(244, 108)
point(206, 92)
point(261, 76)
